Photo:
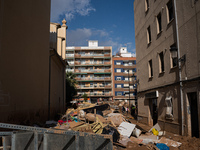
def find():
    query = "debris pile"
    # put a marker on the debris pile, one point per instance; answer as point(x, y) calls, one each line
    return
point(109, 119)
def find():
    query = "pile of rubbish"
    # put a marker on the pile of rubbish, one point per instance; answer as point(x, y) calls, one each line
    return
point(107, 119)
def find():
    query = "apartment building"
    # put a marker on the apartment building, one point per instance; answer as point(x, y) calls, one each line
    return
point(124, 76)
point(168, 71)
point(92, 66)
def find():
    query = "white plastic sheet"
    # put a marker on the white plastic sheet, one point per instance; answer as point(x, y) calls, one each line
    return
point(126, 128)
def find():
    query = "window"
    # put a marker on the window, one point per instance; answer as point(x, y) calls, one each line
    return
point(130, 63)
point(119, 85)
point(146, 5)
point(91, 84)
point(126, 79)
point(170, 13)
point(125, 64)
point(148, 35)
point(126, 71)
point(159, 23)
point(150, 69)
point(118, 78)
point(118, 70)
point(119, 94)
point(126, 85)
point(161, 62)
point(118, 63)
point(169, 108)
point(174, 59)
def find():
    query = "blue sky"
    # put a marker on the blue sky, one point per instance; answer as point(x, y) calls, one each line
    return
point(111, 22)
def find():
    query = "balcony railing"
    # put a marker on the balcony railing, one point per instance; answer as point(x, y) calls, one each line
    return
point(95, 94)
point(69, 55)
point(90, 55)
point(92, 63)
point(94, 78)
point(70, 63)
point(69, 70)
point(93, 70)
point(99, 86)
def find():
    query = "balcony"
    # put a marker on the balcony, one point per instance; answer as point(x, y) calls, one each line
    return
point(93, 78)
point(92, 63)
point(91, 55)
point(107, 63)
point(69, 70)
point(93, 70)
point(108, 55)
point(108, 86)
point(69, 55)
point(92, 87)
point(70, 63)
point(77, 63)
point(99, 94)
point(77, 55)
point(125, 66)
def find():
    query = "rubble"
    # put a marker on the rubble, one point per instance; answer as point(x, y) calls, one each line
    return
point(169, 142)
point(100, 119)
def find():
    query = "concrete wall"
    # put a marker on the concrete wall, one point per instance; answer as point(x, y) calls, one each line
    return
point(24, 60)
point(57, 91)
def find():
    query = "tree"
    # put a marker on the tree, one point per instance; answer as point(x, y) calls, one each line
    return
point(71, 82)
point(85, 96)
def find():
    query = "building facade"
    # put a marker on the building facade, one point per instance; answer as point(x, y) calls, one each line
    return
point(92, 66)
point(124, 76)
point(168, 70)
point(25, 64)
point(24, 60)
point(57, 66)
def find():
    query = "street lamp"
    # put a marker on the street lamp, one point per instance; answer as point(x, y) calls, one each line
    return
point(174, 54)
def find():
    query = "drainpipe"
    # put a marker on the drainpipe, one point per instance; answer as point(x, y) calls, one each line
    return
point(49, 99)
point(179, 67)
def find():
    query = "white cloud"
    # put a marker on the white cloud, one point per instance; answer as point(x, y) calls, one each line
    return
point(79, 37)
point(69, 8)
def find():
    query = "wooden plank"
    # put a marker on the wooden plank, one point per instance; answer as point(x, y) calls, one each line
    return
point(75, 124)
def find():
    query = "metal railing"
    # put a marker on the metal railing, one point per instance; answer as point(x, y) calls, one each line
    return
point(36, 138)
point(93, 70)
point(69, 55)
point(94, 78)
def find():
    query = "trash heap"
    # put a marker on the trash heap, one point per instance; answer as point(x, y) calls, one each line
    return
point(108, 119)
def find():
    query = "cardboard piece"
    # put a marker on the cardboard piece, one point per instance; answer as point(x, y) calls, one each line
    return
point(134, 139)
point(148, 138)
point(91, 117)
point(169, 142)
point(124, 141)
point(137, 132)
point(126, 128)
point(116, 118)
point(75, 124)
